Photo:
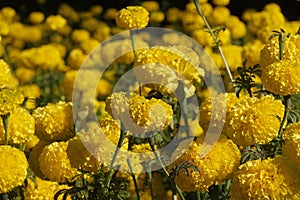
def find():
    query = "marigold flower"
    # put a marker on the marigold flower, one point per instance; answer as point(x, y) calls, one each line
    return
point(172, 14)
point(221, 2)
point(150, 5)
point(80, 35)
point(157, 16)
point(24, 74)
point(219, 15)
point(56, 22)
point(237, 28)
point(20, 127)
point(9, 99)
point(55, 164)
point(36, 17)
point(80, 157)
point(180, 59)
point(282, 77)
point(254, 121)
point(54, 121)
point(25, 33)
point(132, 17)
point(151, 115)
point(12, 158)
point(76, 58)
point(291, 145)
point(214, 167)
point(5, 75)
point(265, 179)
point(225, 101)
point(251, 51)
point(271, 53)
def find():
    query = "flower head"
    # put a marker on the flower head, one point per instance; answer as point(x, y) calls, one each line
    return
point(20, 127)
point(254, 120)
point(55, 163)
point(291, 146)
point(5, 75)
point(12, 158)
point(282, 77)
point(54, 121)
point(9, 99)
point(265, 179)
point(132, 17)
point(215, 163)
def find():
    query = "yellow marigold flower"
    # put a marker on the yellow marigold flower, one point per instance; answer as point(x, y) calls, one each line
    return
point(24, 74)
point(25, 33)
point(203, 37)
point(80, 157)
point(172, 14)
point(270, 53)
point(56, 22)
point(5, 75)
point(36, 17)
point(96, 9)
point(220, 2)
point(55, 164)
point(20, 127)
point(237, 28)
point(251, 51)
point(88, 45)
point(75, 58)
point(226, 101)
point(219, 15)
point(254, 121)
point(8, 13)
point(13, 168)
point(132, 17)
point(191, 21)
point(175, 57)
point(80, 35)
point(45, 191)
point(9, 99)
point(152, 115)
point(282, 77)
point(215, 166)
point(34, 155)
point(110, 14)
point(54, 121)
point(291, 145)
point(68, 82)
point(264, 179)
point(104, 88)
point(234, 59)
point(68, 12)
point(102, 32)
point(157, 16)
point(150, 5)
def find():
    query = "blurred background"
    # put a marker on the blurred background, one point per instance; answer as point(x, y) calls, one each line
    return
point(290, 8)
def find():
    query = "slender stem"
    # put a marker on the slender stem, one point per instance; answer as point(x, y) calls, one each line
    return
point(149, 176)
point(112, 169)
point(197, 4)
point(133, 43)
point(151, 142)
point(134, 179)
point(5, 124)
point(199, 196)
point(287, 105)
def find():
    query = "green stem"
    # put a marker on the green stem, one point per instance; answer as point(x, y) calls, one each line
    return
point(149, 176)
point(112, 169)
point(5, 124)
point(199, 196)
point(152, 145)
point(287, 104)
point(134, 179)
point(133, 43)
point(197, 4)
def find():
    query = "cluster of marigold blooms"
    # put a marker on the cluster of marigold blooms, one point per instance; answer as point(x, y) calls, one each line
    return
point(43, 139)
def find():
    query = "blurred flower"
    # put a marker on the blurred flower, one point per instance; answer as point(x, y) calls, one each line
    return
point(12, 158)
point(220, 2)
point(9, 99)
point(55, 22)
point(36, 17)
